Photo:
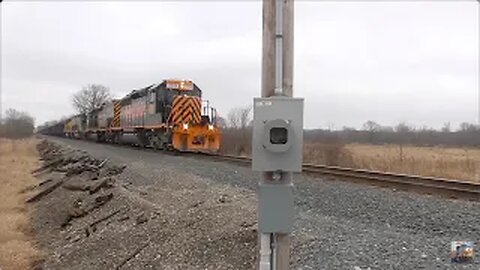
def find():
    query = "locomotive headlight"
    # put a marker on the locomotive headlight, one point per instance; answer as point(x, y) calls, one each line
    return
point(185, 126)
point(210, 127)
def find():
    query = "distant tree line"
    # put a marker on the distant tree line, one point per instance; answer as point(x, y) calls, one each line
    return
point(236, 131)
point(16, 125)
point(467, 134)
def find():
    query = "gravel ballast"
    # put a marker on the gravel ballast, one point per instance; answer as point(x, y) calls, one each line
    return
point(180, 212)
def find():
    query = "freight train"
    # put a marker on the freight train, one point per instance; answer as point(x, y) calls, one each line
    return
point(167, 115)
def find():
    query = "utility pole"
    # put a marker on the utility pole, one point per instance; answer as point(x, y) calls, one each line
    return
point(277, 136)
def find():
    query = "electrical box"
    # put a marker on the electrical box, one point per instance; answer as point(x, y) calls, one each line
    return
point(275, 208)
point(277, 134)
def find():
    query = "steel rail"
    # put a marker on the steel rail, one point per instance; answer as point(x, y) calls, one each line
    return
point(459, 189)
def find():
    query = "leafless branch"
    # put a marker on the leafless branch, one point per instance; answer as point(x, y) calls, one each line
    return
point(90, 97)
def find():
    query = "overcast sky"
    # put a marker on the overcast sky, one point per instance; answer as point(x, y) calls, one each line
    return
point(354, 61)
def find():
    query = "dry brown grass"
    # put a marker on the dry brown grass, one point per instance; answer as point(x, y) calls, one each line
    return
point(236, 142)
point(457, 163)
point(17, 160)
point(333, 154)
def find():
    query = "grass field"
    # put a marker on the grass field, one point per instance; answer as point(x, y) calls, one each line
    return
point(457, 163)
point(17, 160)
point(447, 162)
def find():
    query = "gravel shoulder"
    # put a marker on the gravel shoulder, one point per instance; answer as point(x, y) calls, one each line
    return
point(196, 213)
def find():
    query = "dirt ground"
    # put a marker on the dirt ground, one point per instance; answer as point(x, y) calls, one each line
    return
point(17, 160)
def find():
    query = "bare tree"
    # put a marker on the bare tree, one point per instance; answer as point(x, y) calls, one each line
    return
point(371, 126)
point(468, 127)
point(403, 128)
point(239, 118)
point(236, 137)
point(446, 127)
point(245, 117)
point(90, 97)
point(232, 119)
point(17, 124)
point(221, 122)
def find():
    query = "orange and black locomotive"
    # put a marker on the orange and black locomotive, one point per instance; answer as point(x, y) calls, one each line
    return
point(168, 115)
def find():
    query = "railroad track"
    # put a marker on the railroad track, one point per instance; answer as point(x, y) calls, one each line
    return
point(431, 185)
point(451, 188)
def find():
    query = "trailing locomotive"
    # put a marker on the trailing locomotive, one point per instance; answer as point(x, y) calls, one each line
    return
point(168, 115)
point(75, 127)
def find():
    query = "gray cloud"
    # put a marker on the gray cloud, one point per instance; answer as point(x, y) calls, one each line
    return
point(389, 62)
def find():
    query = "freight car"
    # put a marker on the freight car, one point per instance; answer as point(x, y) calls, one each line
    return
point(57, 129)
point(167, 115)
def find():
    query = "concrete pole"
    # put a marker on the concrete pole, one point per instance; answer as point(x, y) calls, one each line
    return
point(274, 65)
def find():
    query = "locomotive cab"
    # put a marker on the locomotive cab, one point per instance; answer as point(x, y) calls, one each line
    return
point(169, 115)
